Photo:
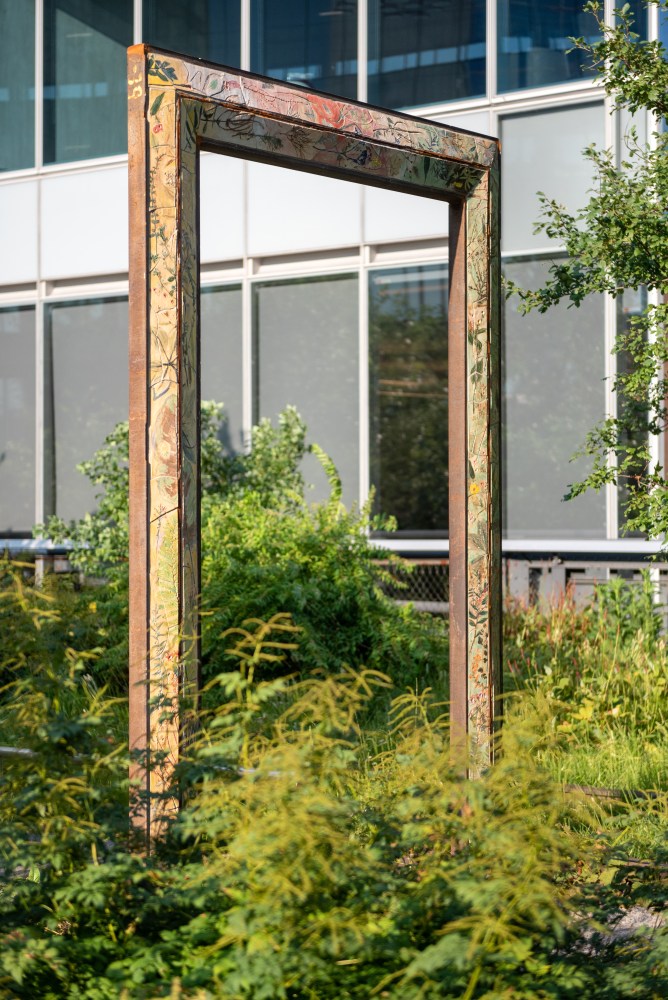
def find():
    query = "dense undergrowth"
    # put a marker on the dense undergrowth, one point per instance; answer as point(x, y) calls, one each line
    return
point(265, 550)
point(329, 846)
point(308, 861)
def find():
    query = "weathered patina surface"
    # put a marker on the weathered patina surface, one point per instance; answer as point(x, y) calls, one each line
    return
point(177, 108)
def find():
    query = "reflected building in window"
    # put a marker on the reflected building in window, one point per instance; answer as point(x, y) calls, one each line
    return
point(315, 293)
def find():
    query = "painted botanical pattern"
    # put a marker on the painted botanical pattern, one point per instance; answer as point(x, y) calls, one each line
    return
point(188, 106)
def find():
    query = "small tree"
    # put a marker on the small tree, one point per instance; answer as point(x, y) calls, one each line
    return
point(619, 241)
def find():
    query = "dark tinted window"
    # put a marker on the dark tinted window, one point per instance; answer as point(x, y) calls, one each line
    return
point(85, 78)
point(408, 395)
point(17, 420)
point(534, 40)
point(197, 28)
point(17, 84)
point(312, 43)
point(425, 51)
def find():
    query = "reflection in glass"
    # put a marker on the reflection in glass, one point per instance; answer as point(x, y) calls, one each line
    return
point(426, 52)
point(633, 412)
point(85, 79)
point(221, 359)
point(554, 369)
point(198, 28)
point(85, 394)
point(408, 395)
point(17, 84)
point(306, 355)
point(542, 151)
point(638, 12)
point(311, 43)
point(17, 420)
point(534, 42)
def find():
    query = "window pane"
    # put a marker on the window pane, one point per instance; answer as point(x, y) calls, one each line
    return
point(17, 420)
point(542, 151)
point(408, 396)
point(426, 52)
point(534, 40)
point(85, 85)
point(312, 43)
point(306, 354)
point(553, 394)
point(222, 374)
point(85, 394)
point(198, 28)
point(638, 12)
point(17, 84)
point(632, 302)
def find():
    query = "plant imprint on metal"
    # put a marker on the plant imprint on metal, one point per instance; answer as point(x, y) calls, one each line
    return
point(267, 97)
point(179, 107)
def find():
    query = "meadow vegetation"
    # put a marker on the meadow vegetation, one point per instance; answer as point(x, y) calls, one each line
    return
point(329, 845)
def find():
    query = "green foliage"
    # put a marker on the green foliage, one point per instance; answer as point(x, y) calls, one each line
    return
point(619, 241)
point(305, 864)
point(100, 540)
point(314, 562)
point(605, 667)
point(265, 550)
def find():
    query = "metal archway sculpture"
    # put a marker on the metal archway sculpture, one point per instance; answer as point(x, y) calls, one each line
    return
point(177, 107)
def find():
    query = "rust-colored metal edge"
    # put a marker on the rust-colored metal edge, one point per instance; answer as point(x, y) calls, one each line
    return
point(139, 719)
point(487, 143)
point(457, 474)
point(495, 448)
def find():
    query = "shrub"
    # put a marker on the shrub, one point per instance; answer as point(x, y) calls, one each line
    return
point(265, 550)
point(316, 563)
point(306, 864)
point(604, 666)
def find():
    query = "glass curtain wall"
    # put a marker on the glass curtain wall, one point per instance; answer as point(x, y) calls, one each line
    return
point(542, 151)
point(306, 355)
point(419, 53)
point(408, 396)
point(85, 394)
point(554, 393)
point(17, 84)
point(631, 303)
point(221, 360)
point(426, 52)
point(85, 87)
point(17, 420)
point(311, 43)
point(534, 42)
point(204, 29)
point(638, 11)
point(555, 363)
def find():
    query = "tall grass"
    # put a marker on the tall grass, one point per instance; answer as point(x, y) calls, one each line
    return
point(314, 859)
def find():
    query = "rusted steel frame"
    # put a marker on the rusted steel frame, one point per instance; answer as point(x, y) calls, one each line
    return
point(483, 493)
point(139, 721)
point(177, 108)
point(474, 394)
point(457, 477)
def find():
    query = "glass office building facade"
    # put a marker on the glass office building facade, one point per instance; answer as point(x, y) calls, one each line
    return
point(315, 292)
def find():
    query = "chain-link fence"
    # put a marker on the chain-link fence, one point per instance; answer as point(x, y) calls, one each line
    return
point(422, 582)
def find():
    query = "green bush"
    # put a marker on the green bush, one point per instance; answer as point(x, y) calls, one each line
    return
point(602, 672)
point(314, 562)
point(305, 864)
point(265, 550)
point(604, 666)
